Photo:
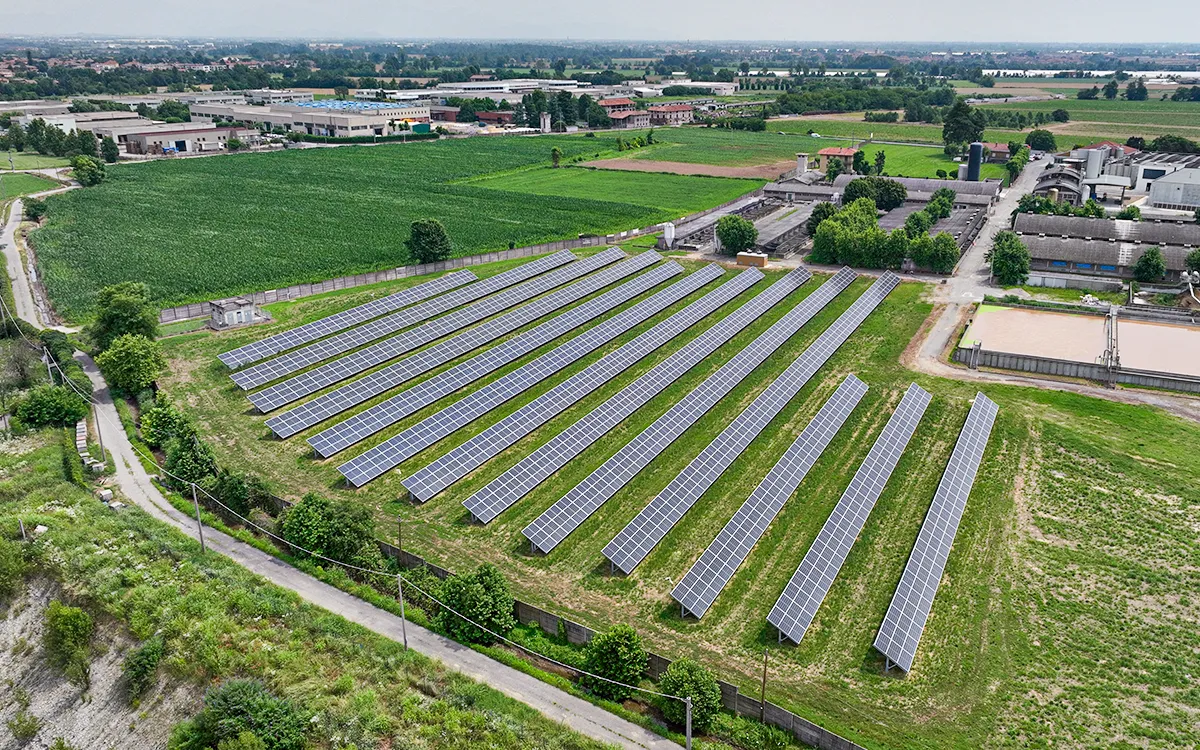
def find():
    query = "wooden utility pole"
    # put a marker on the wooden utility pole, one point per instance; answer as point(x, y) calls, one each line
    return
point(762, 696)
point(199, 526)
point(400, 577)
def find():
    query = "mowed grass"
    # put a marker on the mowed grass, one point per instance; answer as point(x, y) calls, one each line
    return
point(914, 132)
point(16, 184)
point(200, 229)
point(1067, 613)
point(31, 160)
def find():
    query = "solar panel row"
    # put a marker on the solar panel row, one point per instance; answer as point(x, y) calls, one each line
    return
point(432, 479)
point(699, 587)
point(273, 369)
point(410, 400)
point(300, 335)
point(634, 542)
point(797, 606)
point(906, 615)
point(356, 392)
point(515, 483)
point(585, 498)
point(381, 351)
point(427, 432)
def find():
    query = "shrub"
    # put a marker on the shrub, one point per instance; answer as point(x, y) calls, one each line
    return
point(338, 529)
point(67, 639)
point(736, 234)
point(617, 655)
point(34, 208)
point(132, 363)
point(51, 406)
point(12, 568)
point(161, 422)
point(1150, 267)
point(140, 668)
point(238, 707)
point(685, 678)
point(189, 459)
point(230, 489)
point(1130, 212)
point(244, 741)
point(482, 596)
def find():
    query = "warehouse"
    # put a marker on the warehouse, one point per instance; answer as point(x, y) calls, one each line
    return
point(327, 117)
point(808, 187)
point(208, 140)
point(1103, 247)
point(1179, 190)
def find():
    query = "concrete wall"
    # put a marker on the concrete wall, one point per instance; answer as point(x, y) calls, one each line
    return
point(975, 358)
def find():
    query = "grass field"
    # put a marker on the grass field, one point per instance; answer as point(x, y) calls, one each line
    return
point(1146, 118)
point(31, 160)
point(1067, 615)
point(204, 228)
point(20, 183)
point(884, 131)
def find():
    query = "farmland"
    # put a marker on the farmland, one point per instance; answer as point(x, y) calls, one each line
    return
point(19, 183)
point(31, 160)
point(1066, 617)
point(200, 229)
point(845, 127)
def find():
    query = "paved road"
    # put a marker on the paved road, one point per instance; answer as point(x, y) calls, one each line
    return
point(27, 307)
point(575, 713)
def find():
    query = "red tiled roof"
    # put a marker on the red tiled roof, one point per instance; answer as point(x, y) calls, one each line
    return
point(671, 108)
point(1114, 145)
point(628, 113)
point(837, 151)
point(996, 147)
point(619, 102)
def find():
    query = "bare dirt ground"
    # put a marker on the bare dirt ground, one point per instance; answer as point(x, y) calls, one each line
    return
point(760, 171)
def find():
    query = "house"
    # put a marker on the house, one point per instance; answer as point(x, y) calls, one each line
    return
point(825, 155)
point(997, 153)
point(671, 114)
point(631, 119)
point(620, 104)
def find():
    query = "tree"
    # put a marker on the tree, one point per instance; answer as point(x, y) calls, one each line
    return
point(132, 363)
point(428, 241)
point(1136, 91)
point(1130, 212)
point(109, 150)
point(341, 92)
point(189, 460)
point(34, 208)
point(482, 596)
point(88, 170)
point(1193, 260)
point(736, 234)
point(122, 309)
point(616, 655)
point(820, 212)
point(1060, 115)
point(858, 164)
point(237, 708)
point(555, 156)
point(1041, 140)
point(886, 194)
point(1110, 89)
point(1136, 141)
point(963, 124)
point(234, 144)
point(1196, 216)
point(51, 406)
point(880, 160)
point(685, 678)
point(1010, 259)
point(1150, 267)
point(944, 254)
point(337, 529)
point(1092, 93)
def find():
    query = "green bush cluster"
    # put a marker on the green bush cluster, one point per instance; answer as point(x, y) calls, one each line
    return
point(132, 363)
point(686, 678)
point(616, 654)
point(238, 712)
point(50, 406)
point(484, 597)
point(886, 194)
point(140, 667)
point(67, 640)
point(1038, 204)
point(1017, 160)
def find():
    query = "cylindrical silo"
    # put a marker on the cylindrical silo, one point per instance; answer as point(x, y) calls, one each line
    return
point(974, 161)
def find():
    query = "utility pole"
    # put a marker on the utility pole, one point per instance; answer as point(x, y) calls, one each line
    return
point(99, 438)
point(762, 696)
point(400, 578)
point(199, 526)
point(688, 704)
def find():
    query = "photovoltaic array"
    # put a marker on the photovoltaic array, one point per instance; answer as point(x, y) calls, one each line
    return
point(586, 497)
point(699, 587)
point(273, 369)
point(797, 606)
point(410, 400)
point(905, 619)
point(647, 529)
point(515, 483)
point(423, 434)
point(432, 479)
point(356, 392)
point(382, 351)
point(300, 335)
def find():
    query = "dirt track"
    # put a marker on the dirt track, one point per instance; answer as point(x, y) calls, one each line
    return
point(760, 171)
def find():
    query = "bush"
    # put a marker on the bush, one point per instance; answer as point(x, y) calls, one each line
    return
point(1151, 267)
point(161, 422)
point(736, 234)
point(67, 639)
point(132, 363)
point(338, 529)
point(51, 406)
point(236, 708)
point(1132, 213)
point(189, 459)
point(140, 668)
point(483, 596)
point(12, 568)
point(33, 208)
point(685, 678)
point(618, 655)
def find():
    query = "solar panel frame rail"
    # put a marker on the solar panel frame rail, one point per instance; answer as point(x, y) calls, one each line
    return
point(904, 622)
point(464, 458)
point(599, 486)
point(340, 436)
point(797, 606)
point(408, 443)
point(359, 361)
point(351, 394)
point(309, 332)
point(273, 369)
point(631, 545)
point(703, 582)
point(499, 494)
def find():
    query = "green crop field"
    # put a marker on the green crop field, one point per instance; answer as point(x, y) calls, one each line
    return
point(1180, 115)
point(1067, 615)
point(19, 183)
point(883, 131)
point(203, 228)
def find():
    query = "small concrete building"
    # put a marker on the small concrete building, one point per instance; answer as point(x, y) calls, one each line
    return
point(825, 155)
point(185, 141)
point(630, 119)
point(235, 311)
point(671, 114)
point(1179, 190)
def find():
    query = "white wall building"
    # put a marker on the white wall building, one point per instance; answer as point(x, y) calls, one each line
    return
point(277, 96)
point(1179, 190)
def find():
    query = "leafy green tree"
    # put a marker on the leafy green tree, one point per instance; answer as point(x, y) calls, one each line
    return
point(234, 144)
point(618, 655)
point(555, 156)
point(1193, 260)
point(944, 254)
point(132, 363)
point(428, 241)
point(686, 678)
point(88, 170)
point(189, 460)
point(1060, 115)
point(338, 529)
point(231, 489)
point(859, 163)
point(109, 150)
point(820, 213)
point(33, 208)
point(1041, 140)
point(238, 707)
point(67, 640)
point(963, 124)
point(1092, 93)
point(161, 421)
point(917, 224)
point(880, 160)
point(886, 194)
point(1010, 259)
point(483, 597)
point(736, 234)
point(1136, 91)
point(835, 168)
point(123, 309)
point(1150, 267)
point(1110, 89)
point(51, 406)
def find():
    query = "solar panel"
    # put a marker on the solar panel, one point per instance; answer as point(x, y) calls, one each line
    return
point(797, 606)
point(386, 413)
point(634, 542)
point(906, 615)
point(356, 392)
point(379, 352)
point(698, 588)
point(427, 432)
point(515, 483)
point(585, 498)
point(300, 335)
point(273, 369)
point(437, 476)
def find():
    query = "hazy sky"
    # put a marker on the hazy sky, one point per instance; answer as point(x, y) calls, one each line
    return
point(878, 20)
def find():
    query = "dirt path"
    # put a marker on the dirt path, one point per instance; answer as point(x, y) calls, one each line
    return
point(760, 171)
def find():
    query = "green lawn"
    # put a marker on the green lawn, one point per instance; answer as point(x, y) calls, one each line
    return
point(1066, 616)
point(19, 183)
point(31, 160)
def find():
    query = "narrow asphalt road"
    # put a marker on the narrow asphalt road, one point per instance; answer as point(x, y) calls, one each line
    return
point(27, 308)
point(574, 712)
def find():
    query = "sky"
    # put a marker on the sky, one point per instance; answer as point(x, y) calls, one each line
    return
point(1100, 21)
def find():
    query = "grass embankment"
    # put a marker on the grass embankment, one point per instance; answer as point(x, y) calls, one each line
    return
point(1026, 575)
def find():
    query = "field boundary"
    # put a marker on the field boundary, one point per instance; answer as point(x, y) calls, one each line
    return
point(298, 291)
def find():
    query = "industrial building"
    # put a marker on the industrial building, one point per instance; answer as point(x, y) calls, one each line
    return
point(1103, 247)
point(326, 117)
point(208, 140)
point(1179, 190)
point(120, 130)
point(278, 96)
point(808, 186)
point(1061, 183)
